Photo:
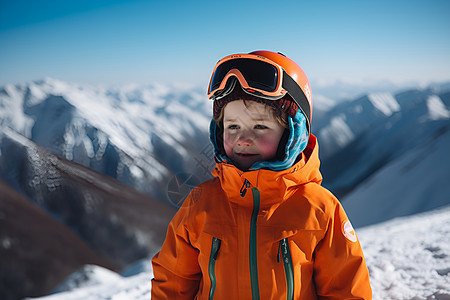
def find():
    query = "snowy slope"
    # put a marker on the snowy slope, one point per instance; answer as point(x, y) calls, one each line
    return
point(408, 258)
point(415, 182)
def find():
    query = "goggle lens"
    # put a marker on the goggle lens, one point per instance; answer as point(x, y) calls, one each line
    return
point(258, 74)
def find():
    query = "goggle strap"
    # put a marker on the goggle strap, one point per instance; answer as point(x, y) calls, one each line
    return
point(297, 94)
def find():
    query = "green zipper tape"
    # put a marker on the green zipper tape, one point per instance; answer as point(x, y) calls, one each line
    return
point(253, 245)
point(212, 265)
point(288, 268)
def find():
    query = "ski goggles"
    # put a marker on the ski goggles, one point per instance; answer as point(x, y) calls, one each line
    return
point(257, 76)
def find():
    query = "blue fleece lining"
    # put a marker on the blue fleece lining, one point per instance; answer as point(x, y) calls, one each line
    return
point(297, 141)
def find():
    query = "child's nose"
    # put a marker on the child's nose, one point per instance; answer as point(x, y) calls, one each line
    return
point(245, 139)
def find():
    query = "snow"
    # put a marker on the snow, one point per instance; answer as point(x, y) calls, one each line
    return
point(11, 111)
point(436, 109)
point(408, 258)
point(323, 103)
point(89, 275)
point(136, 287)
point(385, 103)
point(338, 131)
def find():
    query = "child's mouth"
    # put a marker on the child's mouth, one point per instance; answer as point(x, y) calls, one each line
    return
point(245, 154)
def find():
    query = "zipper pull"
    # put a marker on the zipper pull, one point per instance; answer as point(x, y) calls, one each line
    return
point(215, 247)
point(279, 250)
point(244, 187)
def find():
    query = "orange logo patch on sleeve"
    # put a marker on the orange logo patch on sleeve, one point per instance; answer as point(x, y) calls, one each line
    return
point(348, 231)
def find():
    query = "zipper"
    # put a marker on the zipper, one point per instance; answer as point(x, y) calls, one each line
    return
point(283, 248)
point(212, 265)
point(244, 188)
point(253, 247)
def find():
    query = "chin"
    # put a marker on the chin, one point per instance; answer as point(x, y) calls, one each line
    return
point(244, 167)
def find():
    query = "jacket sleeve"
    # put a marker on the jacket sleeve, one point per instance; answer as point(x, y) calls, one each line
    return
point(175, 268)
point(340, 270)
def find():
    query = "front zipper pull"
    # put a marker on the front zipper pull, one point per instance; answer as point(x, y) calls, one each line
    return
point(215, 248)
point(244, 187)
point(278, 253)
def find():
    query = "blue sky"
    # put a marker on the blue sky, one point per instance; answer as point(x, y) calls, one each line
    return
point(136, 41)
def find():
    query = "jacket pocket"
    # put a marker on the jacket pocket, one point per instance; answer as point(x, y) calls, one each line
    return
point(212, 265)
point(285, 252)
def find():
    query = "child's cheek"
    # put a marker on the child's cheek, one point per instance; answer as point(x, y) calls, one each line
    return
point(268, 146)
point(228, 143)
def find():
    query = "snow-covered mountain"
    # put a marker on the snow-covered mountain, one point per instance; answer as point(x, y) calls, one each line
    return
point(368, 142)
point(408, 115)
point(65, 216)
point(140, 135)
point(144, 135)
point(408, 258)
point(358, 138)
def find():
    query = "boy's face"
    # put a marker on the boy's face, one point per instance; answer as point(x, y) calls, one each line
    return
point(251, 133)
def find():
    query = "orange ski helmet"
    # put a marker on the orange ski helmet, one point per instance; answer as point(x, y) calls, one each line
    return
point(294, 70)
point(265, 74)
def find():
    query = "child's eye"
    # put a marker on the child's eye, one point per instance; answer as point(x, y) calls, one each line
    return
point(260, 127)
point(233, 127)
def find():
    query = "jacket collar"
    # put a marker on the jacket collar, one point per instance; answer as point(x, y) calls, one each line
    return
point(274, 186)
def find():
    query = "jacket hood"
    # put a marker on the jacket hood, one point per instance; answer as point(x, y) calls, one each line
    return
point(273, 185)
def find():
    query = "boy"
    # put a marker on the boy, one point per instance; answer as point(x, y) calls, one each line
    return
point(264, 227)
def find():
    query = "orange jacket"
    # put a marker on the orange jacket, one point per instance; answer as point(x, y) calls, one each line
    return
point(261, 235)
